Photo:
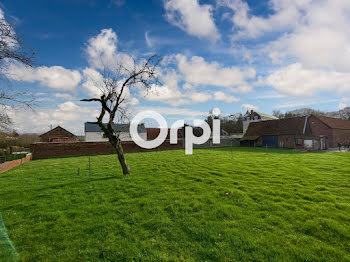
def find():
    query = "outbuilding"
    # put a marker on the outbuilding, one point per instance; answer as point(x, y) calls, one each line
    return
point(58, 135)
point(313, 132)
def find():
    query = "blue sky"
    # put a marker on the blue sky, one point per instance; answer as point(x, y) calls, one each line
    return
point(231, 54)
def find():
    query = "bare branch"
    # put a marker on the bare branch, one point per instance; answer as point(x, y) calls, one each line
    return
point(113, 98)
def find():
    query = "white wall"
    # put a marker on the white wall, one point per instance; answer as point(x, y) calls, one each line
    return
point(98, 136)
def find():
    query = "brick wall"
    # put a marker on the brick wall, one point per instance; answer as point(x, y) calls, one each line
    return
point(50, 150)
point(318, 128)
point(289, 141)
point(11, 164)
point(340, 136)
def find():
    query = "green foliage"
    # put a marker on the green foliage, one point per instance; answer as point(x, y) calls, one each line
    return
point(24, 140)
point(216, 205)
point(13, 156)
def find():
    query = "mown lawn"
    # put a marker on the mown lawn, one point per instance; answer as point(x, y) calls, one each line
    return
point(216, 205)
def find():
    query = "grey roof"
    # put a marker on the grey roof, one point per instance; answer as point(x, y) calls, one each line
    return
point(92, 127)
point(267, 116)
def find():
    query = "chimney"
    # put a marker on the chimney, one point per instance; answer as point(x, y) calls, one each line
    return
point(251, 114)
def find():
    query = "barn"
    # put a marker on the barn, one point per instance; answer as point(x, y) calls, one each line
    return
point(58, 134)
point(313, 132)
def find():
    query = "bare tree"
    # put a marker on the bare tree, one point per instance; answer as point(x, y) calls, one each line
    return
point(11, 50)
point(113, 100)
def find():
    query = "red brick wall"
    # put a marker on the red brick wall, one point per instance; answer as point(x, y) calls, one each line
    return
point(49, 150)
point(318, 128)
point(289, 141)
point(340, 136)
point(11, 164)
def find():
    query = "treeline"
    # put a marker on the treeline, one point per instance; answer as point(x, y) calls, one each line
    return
point(342, 114)
point(14, 139)
point(232, 124)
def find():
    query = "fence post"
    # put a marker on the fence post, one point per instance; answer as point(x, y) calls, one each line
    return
point(89, 169)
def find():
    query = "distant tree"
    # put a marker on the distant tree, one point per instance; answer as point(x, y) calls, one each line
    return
point(297, 112)
point(232, 124)
point(278, 114)
point(14, 133)
point(112, 99)
point(11, 50)
point(345, 113)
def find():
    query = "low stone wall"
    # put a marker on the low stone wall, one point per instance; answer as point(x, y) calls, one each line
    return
point(11, 164)
point(49, 150)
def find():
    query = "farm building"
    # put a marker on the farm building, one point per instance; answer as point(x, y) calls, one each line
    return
point(253, 116)
point(58, 134)
point(93, 132)
point(314, 132)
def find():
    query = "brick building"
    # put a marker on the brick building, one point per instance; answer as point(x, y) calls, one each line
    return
point(58, 134)
point(253, 116)
point(314, 132)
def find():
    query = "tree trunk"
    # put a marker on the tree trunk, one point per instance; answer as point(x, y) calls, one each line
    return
point(118, 147)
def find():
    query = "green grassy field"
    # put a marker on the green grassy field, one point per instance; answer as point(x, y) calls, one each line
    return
point(216, 205)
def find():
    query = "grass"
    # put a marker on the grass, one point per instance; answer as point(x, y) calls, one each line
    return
point(216, 205)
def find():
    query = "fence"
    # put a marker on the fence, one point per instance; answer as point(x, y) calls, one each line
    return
point(5, 158)
point(224, 142)
point(11, 164)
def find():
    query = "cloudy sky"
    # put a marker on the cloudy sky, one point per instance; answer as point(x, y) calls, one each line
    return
point(231, 54)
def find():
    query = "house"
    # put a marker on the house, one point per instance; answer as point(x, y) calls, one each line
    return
point(58, 134)
point(93, 132)
point(253, 116)
point(314, 132)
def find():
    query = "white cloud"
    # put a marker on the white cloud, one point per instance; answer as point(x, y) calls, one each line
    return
point(93, 82)
point(149, 41)
point(343, 103)
point(198, 97)
point(64, 96)
point(94, 86)
point(166, 94)
point(221, 96)
point(250, 107)
point(171, 94)
point(286, 14)
point(102, 51)
point(68, 115)
point(199, 72)
point(55, 77)
point(297, 80)
point(295, 103)
point(312, 32)
point(191, 17)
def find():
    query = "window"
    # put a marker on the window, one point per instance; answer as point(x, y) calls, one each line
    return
point(298, 141)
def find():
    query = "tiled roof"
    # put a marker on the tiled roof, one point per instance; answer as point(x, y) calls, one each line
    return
point(288, 126)
point(57, 127)
point(335, 122)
